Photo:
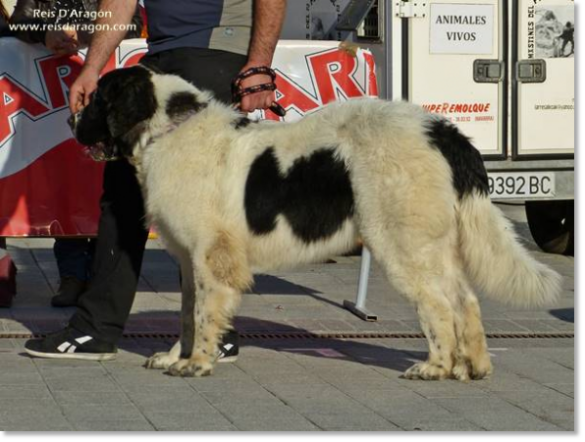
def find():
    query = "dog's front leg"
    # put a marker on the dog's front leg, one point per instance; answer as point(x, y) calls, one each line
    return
point(164, 360)
point(184, 347)
point(220, 277)
point(210, 322)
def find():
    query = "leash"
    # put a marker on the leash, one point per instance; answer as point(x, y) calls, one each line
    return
point(239, 92)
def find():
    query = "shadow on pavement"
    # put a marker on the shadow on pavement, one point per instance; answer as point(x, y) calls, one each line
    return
point(358, 351)
point(564, 314)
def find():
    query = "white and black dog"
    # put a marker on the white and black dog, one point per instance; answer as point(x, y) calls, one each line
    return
point(231, 198)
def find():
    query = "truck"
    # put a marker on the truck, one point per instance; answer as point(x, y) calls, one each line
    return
point(502, 70)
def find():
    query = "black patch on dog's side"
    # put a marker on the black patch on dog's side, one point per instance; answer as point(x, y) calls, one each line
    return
point(263, 197)
point(315, 196)
point(467, 166)
point(182, 105)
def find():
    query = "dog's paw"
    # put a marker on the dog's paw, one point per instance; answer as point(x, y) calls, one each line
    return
point(481, 368)
point(189, 368)
point(462, 370)
point(427, 372)
point(160, 361)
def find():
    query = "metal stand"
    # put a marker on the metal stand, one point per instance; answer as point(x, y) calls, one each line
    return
point(359, 307)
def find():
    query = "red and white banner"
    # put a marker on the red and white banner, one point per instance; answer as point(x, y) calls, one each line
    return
point(49, 185)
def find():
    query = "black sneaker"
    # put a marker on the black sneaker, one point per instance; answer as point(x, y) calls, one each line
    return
point(229, 347)
point(69, 290)
point(71, 344)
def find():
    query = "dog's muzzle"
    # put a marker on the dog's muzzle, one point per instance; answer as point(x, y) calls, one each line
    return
point(100, 151)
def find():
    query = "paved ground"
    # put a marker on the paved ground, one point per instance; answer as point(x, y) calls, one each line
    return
point(282, 383)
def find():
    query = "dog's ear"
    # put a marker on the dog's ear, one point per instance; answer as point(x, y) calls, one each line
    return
point(130, 97)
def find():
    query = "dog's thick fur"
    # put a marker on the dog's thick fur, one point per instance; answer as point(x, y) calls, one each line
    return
point(232, 197)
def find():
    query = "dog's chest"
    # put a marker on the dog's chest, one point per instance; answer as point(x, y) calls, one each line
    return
point(314, 195)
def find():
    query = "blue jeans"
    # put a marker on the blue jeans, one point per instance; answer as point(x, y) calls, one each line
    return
point(74, 256)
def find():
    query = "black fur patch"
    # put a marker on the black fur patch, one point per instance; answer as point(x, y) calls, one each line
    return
point(242, 123)
point(467, 166)
point(124, 98)
point(315, 196)
point(181, 105)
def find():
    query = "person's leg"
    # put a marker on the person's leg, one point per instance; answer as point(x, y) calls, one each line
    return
point(73, 258)
point(104, 308)
point(7, 276)
point(98, 323)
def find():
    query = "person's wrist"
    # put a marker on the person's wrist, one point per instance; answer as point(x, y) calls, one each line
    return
point(91, 69)
point(257, 63)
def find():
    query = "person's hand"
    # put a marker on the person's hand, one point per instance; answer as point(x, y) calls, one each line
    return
point(258, 100)
point(63, 42)
point(82, 88)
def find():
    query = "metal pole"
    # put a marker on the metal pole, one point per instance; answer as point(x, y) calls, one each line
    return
point(359, 307)
point(362, 292)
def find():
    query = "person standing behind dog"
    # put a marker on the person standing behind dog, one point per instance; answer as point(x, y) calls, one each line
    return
point(73, 255)
point(208, 43)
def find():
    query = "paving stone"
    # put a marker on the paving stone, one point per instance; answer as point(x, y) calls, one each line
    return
point(351, 421)
point(271, 423)
point(29, 392)
point(184, 401)
point(33, 418)
point(82, 398)
point(567, 389)
point(547, 405)
point(83, 384)
point(406, 409)
point(113, 425)
point(29, 424)
point(190, 421)
point(257, 395)
point(446, 389)
point(536, 368)
point(16, 379)
point(495, 414)
point(450, 424)
point(109, 412)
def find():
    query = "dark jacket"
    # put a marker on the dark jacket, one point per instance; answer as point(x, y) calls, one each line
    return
point(24, 14)
point(4, 31)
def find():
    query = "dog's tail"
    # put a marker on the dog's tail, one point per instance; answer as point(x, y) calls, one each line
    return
point(496, 262)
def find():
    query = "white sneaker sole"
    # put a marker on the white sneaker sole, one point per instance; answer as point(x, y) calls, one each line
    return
point(78, 356)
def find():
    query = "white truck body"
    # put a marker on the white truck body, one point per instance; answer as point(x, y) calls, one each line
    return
point(502, 70)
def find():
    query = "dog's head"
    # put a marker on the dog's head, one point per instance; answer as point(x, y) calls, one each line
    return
point(129, 103)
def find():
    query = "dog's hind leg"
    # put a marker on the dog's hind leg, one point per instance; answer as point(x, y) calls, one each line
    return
point(437, 322)
point(418, 265)
point(184, 347)
point(220, 277)
point(472, 359)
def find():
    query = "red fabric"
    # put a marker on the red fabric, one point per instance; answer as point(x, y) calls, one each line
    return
point(56, 195)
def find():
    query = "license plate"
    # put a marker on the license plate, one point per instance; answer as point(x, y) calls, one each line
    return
point(509, 185)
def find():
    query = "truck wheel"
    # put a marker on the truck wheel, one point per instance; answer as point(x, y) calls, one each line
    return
point(552, 224)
